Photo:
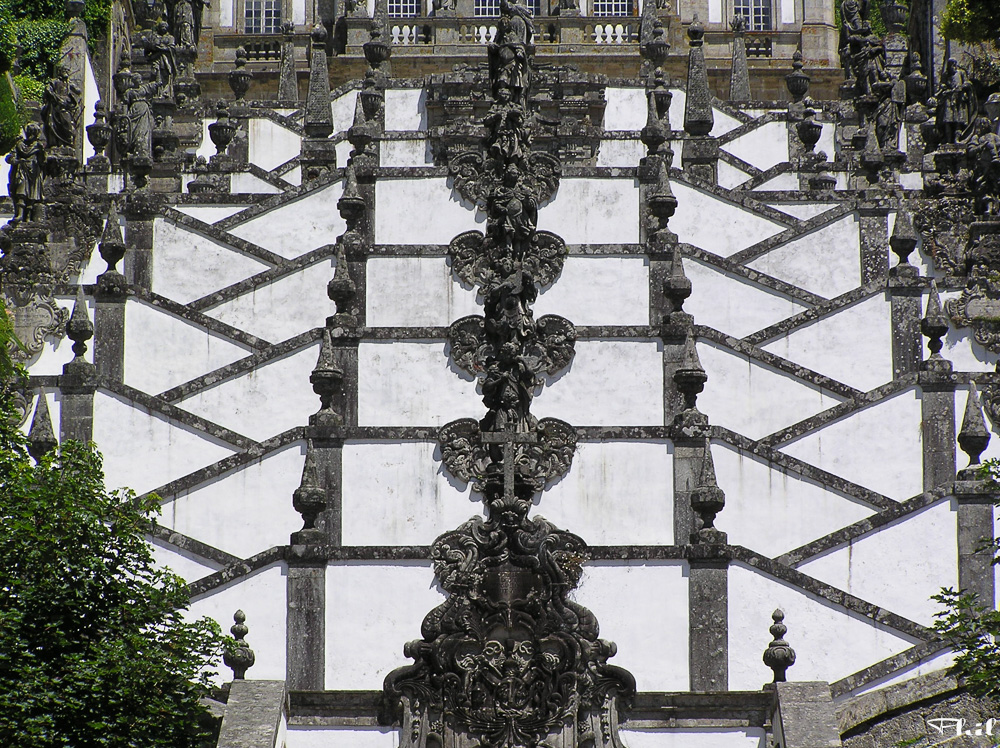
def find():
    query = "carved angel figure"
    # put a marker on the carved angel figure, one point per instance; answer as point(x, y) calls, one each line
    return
point(505, 121)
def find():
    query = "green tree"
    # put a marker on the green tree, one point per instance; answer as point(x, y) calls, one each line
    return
point(94, 650)
point(972, 21)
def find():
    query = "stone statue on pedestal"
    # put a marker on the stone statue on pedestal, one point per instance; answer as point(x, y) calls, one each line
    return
point(24, 180)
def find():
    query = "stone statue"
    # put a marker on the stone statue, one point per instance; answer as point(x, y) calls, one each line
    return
point(956, 103)
point(61, 111)
point(24, 180)
point(505, 121)
point(513, 213)
point(985, 153)
point(162, 55)
point(135, 127)
point(182, 13)
point(509, 53)
point(866, 59)
point(853, 16)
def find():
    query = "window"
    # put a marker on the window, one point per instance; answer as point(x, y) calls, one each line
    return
point(491, 8)
point(262, 16)
point(757, 13)
point(404, 8)
point(612, 7)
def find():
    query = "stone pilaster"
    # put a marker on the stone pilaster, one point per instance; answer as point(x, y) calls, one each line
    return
point(873, 223)
point(708, 635)
point(700, 153)
point(937, 383)
point(305, 642)
point(140, 211)
point(905, 292)
point(78, 382)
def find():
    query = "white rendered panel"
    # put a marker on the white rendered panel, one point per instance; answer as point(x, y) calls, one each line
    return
point(188, 265)
point(732, 304)
point(878, 447)
point(825, 261)
point(283, 308)
point(244, 511)
point(299, 12)
point(632, 480)
point(753, 399)
point(626, 597)
point(301, 736)
point(729, 176)
point(372, 610)
point(719, 737)
point(830, 641)
point(773, 511)
point(730, 229)
point(209, 213)
point(579, 394)
point(787, 180)
point(803, 211)
point(400, 494)
point(715, 11)
point(294, 228)
point(91, 95)
point(265, 401)
point(405, 153)
point(899, 566)
point(586, 210)
point(788, 11)
point(343, 115)
point(185, 565)
point(405, 109)
point(412, 383)
point(261, 596)
point(626, 108)
point(270, 144)
point(620, 152)
point(226, 13)
point(421, 211)
point(169, 449)
point(852, 345)
point(763, 146)
point(163, 350)
point(416, 292)
point(621, 284)
point(245, 182)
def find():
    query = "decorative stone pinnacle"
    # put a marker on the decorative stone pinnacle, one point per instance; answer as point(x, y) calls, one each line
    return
point(112, 247)
point(240, 657)
point(327, 377)
point(778, 656)
point(797, 82)
point(309, 499)
point(973, 437)
point(904, 237)
point(696, 32)
point(41, 437)
point(677, 288)
point(80, 329)
point(935, 323)
point(239, 76)
point(698, 115)
point(690, 377)
point(318, 122)
point(707, 500)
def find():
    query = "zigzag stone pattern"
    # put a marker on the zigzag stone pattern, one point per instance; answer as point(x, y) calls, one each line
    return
point(800, 423)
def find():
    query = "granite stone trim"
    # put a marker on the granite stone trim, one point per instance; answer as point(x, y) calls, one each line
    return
point(270, 202)
point(441, 250)
point(264, 278)
point(214, 232)
point(269, 177)
point(865, 709)
point(800, 229)
point(285, 120)
point(186, 543)
point(168, 491)
point(776, 362)
point(832, 594)
point(887, 667)
point(286, 167)
point(744, 166)
point(767, 175)
point(862, 527)
point(197, 423)
point(748, 126)
point(235, 570)
point(210, 323)
point(804, 469)
point(858, 402)
point(745, 200)
point(241, 366)
point(787, 325)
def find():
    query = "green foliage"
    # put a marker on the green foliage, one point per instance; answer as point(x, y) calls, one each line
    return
point(11, 119)
point(973, 631)
point(874, 17)
point(40, 41)
point(989, 471)
point(30, 89)
point(93, 647)
point(972, 21)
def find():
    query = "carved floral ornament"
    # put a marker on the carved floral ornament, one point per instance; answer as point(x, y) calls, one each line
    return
point(508, 660)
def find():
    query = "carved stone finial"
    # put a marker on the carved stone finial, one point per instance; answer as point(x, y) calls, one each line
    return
point(779, 656)
point(973, 437)
point(690, 377)
point(677, 287)
point(934, 324)
point(309, 499)
point(326, 380)
point(239, 658)
point(707, 500)
point(112, 246)
point(904, 237)
point(223, 129)
point(79, 328)
point(698, 116)
point(318, 121)
point(41, 436)
point(797, 82)
point(239, 76)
